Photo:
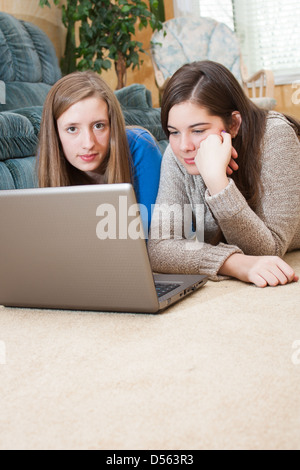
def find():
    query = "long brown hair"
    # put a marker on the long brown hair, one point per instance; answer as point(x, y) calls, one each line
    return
point(212, 86)
point(53, 168)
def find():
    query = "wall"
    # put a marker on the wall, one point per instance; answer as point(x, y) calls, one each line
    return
point(288, 99)
point(50, 21)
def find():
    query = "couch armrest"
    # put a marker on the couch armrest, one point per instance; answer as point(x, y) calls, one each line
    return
point(19, 133)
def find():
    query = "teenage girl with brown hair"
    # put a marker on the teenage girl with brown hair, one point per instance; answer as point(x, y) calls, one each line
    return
point(241, 164)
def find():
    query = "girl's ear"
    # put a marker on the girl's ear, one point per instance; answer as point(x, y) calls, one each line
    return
point(236, 121)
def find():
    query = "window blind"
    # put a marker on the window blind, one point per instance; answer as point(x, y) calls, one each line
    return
point(220, 10)
point(186, 8)
point(268, 32)
point(269, 35)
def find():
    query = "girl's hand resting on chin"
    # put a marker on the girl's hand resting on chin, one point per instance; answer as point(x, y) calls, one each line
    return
point(232, 166)
point(215, 160)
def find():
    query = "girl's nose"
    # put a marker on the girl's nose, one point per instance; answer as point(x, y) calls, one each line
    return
point(88, 139)
point(186, 144)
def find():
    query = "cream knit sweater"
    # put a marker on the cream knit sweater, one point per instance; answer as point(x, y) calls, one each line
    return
point(273, 229)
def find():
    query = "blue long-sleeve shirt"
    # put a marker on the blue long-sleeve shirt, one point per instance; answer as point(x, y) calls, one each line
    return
point(146, 159)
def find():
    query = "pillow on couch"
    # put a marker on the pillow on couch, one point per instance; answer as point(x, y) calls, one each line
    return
point(136, 104)
point(18, 145)
point(19, 133)
point(28, 66)
point(18, 173)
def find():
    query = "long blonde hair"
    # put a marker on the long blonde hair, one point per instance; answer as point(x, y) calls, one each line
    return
point(53, 168)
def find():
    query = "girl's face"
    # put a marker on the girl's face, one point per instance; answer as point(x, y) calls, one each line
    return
point(189, 124)
point(84, 132)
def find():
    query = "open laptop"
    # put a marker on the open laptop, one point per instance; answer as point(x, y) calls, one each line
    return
point(81, 248)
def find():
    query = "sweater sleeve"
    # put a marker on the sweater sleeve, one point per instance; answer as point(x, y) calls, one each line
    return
point(171, 249)
point(269, 230)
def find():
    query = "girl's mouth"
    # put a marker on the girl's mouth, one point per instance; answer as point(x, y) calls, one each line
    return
point(189, 161)
point(88, 157)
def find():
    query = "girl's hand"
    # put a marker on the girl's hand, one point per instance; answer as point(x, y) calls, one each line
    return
point(260, 270)
point(214, 160)
point(232, 166)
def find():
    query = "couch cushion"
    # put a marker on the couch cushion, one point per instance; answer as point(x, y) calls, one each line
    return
point(149, 120)
point(19, 173)
point(34, 114)
point(19, 95)
point(134, 96)
point(136, 104)
point(28, 66)
point(27, 54)
point(18, 136)
point(6, 179)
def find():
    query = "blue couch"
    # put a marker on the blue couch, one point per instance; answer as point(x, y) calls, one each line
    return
point(28, 69)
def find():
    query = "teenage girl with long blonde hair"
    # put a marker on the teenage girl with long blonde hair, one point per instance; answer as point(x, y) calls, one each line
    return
point(83, 140)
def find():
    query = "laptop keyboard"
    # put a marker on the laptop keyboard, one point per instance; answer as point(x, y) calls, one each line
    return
point(163, 289)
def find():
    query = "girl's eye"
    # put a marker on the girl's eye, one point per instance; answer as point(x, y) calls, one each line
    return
point(99, 126)
point(195, 131)
point(71, 130)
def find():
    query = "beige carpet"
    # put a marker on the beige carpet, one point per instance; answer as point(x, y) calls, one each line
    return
point(220, 370)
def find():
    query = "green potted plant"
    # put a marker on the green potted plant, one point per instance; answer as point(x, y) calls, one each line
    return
point(106, 33)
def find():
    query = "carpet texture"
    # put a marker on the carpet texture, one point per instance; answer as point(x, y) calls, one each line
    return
point(219, 370)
